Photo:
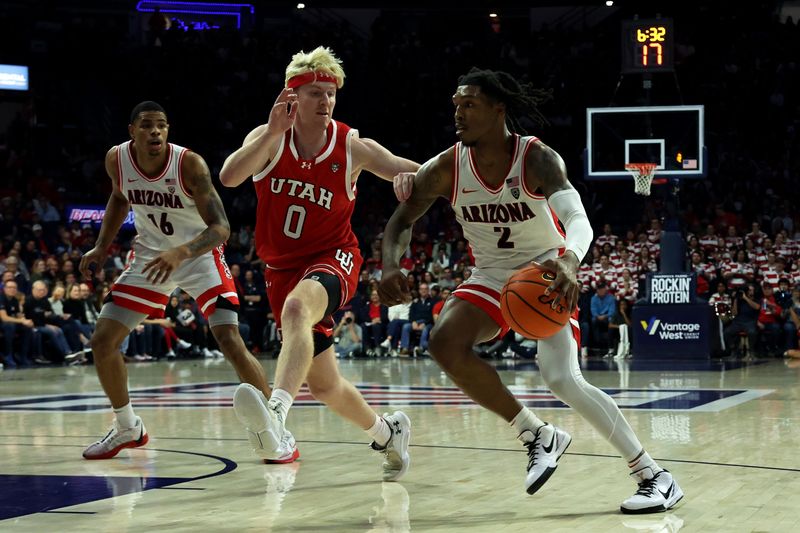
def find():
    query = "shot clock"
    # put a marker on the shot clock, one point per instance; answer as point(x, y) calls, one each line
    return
point(648, 45)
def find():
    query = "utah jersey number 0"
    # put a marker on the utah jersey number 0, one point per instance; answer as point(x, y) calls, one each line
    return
point(293, 225)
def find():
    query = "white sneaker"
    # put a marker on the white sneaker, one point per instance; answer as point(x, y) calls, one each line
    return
point(183, 345)
point(171, 354)
point(287, 452)
point(545, 447)
point(396, 459)
point(265, 425)
point(207, 353)
point(218, 354)
point(72, 356)
point(117, 439)
point(386, 344)
point(657, 493)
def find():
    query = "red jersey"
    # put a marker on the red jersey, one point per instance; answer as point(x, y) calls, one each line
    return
point(305, 205)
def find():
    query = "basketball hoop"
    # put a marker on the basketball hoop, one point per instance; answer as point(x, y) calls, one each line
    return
point(642, 176)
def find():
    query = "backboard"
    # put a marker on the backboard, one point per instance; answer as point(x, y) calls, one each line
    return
point(670, 136)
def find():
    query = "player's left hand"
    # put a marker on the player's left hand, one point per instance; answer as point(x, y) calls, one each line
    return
point(159, 269)
point(403, 185)
point(566, 283)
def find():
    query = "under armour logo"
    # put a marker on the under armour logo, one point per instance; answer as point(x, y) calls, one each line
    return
point(306, 165)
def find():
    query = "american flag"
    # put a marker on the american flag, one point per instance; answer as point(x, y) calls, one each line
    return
point(689, 164)
point(170, 181)
point(513, 182)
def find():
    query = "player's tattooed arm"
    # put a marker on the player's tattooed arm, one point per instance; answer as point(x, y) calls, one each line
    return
point(198, 182)
point(545, 170)
point(433, 179)
point(197, 179)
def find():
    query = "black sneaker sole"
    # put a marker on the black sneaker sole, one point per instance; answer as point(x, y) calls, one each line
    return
point(649, 510)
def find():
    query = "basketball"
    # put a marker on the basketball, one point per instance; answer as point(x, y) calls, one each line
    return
point(527, 309)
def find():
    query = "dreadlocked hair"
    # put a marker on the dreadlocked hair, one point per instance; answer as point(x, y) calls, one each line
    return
point(520, 99)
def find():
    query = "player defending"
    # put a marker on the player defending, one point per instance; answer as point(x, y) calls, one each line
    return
point(305, 166)
point(181, 227)
point(507, 190)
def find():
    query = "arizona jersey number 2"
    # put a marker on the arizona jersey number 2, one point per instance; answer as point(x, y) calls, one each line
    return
point(293, 225)
point(505, 235)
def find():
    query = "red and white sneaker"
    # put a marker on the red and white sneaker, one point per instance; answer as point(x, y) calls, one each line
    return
point(269, 439)
point(287, 452)
point(116, 440)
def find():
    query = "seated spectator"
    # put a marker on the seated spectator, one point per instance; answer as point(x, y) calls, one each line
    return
point(603, 307)
point(45, 321)
point(619, 328)
point(783, 297)
point(75, 308)
point(15, 324)
point(756, 236)
point(627, 288)
point(398, 317)
point(254, 307)
point(607, 237)
point(739, 272)
point(705, 274)
point(794, 317)
point(768, 321)
point(420, 319)
point(186, 327)
point(38, 270)
point(745, 312)
point(349, 334)
point(12, 265)
point(732, 239)
point(441, 259)
point(376, 321)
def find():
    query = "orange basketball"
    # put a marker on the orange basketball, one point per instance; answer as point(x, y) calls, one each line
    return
point(526, 309)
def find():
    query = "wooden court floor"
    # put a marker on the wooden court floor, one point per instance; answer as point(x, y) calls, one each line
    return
point(729, 433)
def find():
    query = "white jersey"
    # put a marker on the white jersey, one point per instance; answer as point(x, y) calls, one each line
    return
point(508, 225)
point(165, 214)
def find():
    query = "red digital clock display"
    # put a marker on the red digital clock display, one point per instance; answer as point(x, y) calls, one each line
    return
point(647, 45)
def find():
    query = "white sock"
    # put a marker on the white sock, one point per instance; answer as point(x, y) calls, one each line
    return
point(526, 420)
point(380, 432)
point(282, 401)
point(643, 466)
point(125, 416)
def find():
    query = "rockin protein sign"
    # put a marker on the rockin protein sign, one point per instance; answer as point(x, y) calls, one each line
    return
point(671, 288)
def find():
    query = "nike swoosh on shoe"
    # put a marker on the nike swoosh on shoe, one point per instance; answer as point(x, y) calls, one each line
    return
point(549, 448)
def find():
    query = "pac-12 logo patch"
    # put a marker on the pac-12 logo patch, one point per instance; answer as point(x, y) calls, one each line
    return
point(335, 167)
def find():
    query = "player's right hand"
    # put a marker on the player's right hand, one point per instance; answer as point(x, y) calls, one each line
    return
point(403, 184)
point(394, 289)
point(284, 111)
point(96, 256)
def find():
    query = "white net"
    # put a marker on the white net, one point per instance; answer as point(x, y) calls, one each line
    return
point(642, 176)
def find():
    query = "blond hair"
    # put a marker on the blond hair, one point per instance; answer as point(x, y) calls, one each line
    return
point(320, 59)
